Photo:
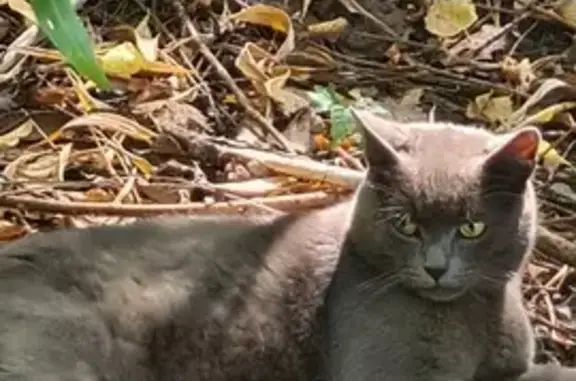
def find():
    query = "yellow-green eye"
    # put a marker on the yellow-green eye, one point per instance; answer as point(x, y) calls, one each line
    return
point(405, 225)
point(472, 229)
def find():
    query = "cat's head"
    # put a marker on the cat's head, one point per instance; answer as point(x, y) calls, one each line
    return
point(445, 208)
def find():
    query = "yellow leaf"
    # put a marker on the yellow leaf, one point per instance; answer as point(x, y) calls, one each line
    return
point(146, 43)
point(446, 18)
point(123, 60)
point(549, 157)
point(12, 138)
point(230, 99)
point(272, 17)
point(331, 28)
point(491, 109)
point(265, 15)
point(142, 164)
point(250, 67)
point(22, 7)
point(567, 9)
point(547, 114)
point(159, 67)
point(87, 102)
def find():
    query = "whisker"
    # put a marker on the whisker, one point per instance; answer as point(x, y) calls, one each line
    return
point(376, 281)
point(391, 282)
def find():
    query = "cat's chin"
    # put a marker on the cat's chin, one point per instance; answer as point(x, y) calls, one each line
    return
point(441, 294)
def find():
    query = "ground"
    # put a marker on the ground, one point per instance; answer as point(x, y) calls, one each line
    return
point(215, 106)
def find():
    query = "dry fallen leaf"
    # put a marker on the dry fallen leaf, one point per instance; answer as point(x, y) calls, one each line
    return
point(277, 90)
point(40, 166)
point(567, 9)
point(111, 122)
point(10, 231)
point(123, 60)
point(175, 114)
point(98, 195)
point(328, 29)
point(547, 114)
point(446, 18)
point(272, 17)
point(251, 62)
point(548, 88)
point(519, 73)
point(550, 157)
point(22, 7)
point(146, 43)
point(489, 108)
point(12, 138)
point(258, 66)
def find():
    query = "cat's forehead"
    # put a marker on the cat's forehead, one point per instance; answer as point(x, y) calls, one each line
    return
point(441, 163)
point(442, 140)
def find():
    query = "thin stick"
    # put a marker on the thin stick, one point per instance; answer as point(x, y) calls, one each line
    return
point(282, 203)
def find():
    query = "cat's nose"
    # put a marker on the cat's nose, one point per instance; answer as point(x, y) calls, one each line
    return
point(436, 272)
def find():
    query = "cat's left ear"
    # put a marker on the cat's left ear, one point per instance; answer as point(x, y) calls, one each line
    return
point(380, 136)
point(516, 154)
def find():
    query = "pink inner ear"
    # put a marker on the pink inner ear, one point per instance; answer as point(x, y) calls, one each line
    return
point(524, 145)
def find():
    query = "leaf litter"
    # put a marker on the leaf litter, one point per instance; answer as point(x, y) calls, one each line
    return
point(224, 107)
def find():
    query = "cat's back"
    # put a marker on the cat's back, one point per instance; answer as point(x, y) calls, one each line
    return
point(109, 294)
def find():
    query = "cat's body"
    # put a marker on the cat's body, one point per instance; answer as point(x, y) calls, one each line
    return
point(216, 299)
point(226, 299)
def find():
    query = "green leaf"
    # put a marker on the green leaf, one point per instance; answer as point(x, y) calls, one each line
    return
point(59, 21)
point(323, 98)
point(341, 123)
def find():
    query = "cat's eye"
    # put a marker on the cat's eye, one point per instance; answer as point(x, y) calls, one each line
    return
point(472, 229)
point(405, 225)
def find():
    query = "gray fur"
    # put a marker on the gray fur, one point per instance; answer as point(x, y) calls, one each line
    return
point(176, 299)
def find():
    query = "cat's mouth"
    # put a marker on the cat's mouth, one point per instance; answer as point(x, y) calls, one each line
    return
point(441, 294)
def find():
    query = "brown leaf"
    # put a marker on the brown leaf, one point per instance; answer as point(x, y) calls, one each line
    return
point(10, 231)
point(98, 195)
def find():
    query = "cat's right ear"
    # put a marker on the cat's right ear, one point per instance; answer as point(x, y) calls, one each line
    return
point(378, 151)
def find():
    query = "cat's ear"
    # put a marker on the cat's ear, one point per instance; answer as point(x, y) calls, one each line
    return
point(378, 132)
point(516, 154)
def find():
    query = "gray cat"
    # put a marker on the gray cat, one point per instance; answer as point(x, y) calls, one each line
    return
point(240, 299)
point(428, 283)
